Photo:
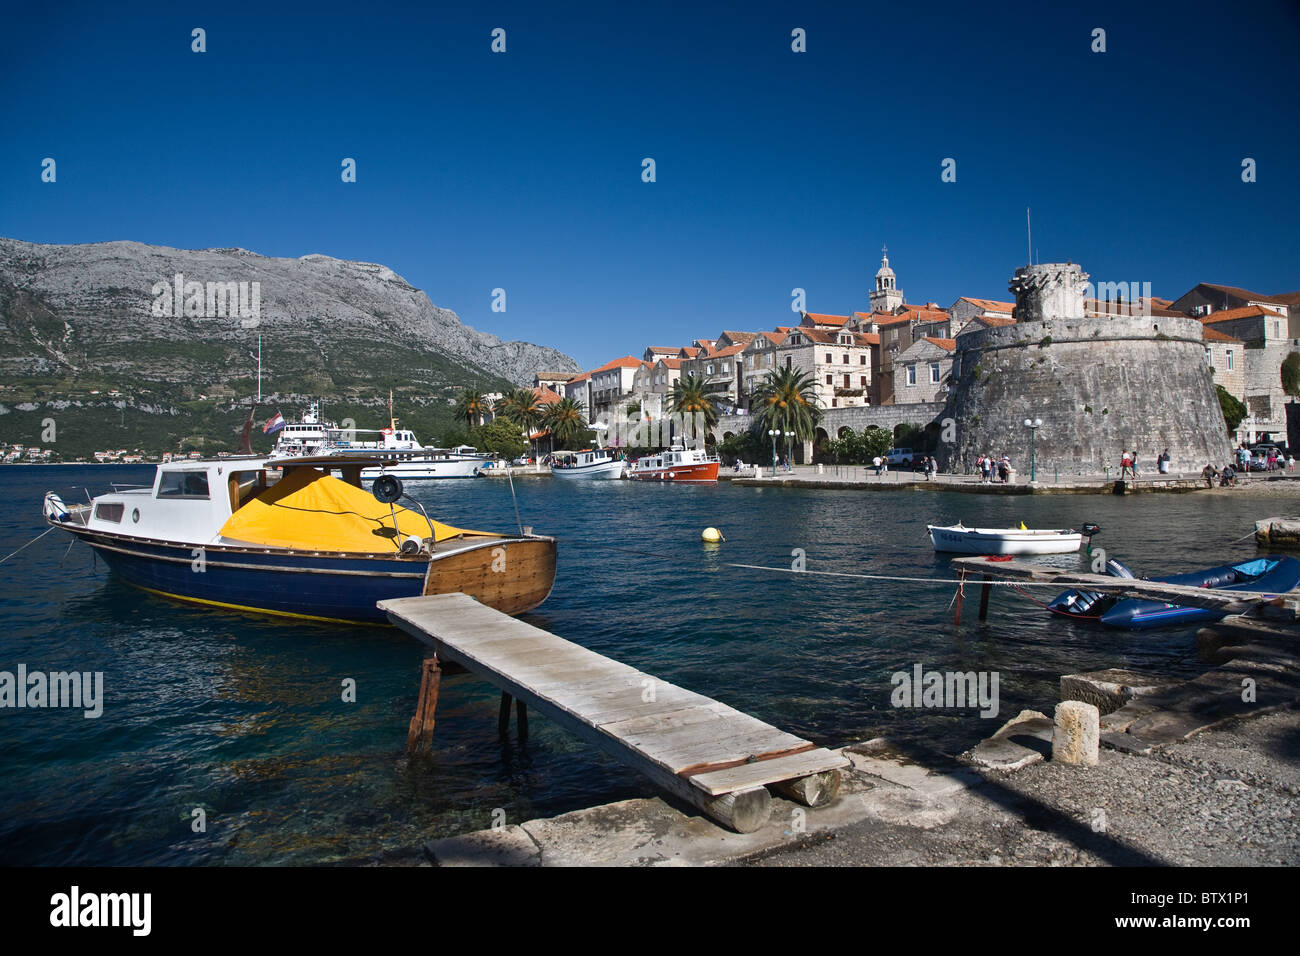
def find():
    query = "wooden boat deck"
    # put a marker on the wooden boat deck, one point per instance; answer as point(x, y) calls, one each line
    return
point(696, 748)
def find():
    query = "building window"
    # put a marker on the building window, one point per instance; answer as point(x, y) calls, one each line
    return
point(828, 380)
point(862, 360)
point(911, 375)
point(846, 382)
point(835, 403)
point(863, 380)
point(1229, 360)
point(787, 361)
point(769, 359)
point(934, 373)
point(845, 356)
point(829, 359)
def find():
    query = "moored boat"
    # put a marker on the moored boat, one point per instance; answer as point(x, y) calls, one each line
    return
point(962, 540)
point(1272, 575)
point(591, 464)
point(288, 537)
point(676, 464)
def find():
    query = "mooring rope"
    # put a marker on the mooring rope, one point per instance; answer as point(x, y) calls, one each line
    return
point(33, 541)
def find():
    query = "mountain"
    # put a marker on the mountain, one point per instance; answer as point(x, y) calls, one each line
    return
point(80, 322)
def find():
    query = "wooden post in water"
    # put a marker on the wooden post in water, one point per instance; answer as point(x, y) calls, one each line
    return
point(503, 715)
point(521, 717)
point(420, 732)
point(985, 590)
point(961, 593)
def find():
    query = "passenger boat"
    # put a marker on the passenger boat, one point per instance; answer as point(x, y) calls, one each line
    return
point(299, 537)
point(401, 452)
point(594, 463)
point(1272, 575)
point(1022, 540)
point(676, 464)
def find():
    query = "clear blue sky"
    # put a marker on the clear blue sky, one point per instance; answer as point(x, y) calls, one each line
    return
point(775, 169)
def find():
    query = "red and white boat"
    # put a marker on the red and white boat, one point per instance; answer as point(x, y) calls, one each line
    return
point(676, 464)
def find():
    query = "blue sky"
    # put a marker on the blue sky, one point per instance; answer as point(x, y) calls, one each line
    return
point(775, 170)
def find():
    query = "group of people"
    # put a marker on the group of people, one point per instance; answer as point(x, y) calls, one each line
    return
point(1226, 478)
point(1128, 463)
point(993, 469)
point(1273, 459)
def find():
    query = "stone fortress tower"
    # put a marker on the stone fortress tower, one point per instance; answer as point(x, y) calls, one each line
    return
point(1100, 385)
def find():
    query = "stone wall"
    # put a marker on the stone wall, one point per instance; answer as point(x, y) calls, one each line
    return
point(859, 418)
point(1099, 385)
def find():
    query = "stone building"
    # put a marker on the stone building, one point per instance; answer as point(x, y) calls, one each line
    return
point(838, 362)
point(611, 384)
point(923, 372)
point(1265, 340)
point(1099, 385)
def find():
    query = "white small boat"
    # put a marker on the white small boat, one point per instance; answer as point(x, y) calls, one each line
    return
point(590, 464)
point(963, 540)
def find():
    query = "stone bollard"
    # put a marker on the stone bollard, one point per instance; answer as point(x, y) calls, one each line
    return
point(1076, 734)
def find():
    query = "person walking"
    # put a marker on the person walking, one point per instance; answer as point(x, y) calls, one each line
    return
point(1162, 463)
point(1125, 465)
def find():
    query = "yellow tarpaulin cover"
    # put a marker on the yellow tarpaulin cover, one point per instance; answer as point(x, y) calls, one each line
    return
point(310, 510)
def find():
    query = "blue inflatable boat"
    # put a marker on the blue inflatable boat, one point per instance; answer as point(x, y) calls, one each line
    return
point(1273, 575)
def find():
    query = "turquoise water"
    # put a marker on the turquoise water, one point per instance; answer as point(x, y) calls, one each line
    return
point(243, 717)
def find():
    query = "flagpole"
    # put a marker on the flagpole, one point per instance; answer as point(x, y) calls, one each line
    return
point(259, 370)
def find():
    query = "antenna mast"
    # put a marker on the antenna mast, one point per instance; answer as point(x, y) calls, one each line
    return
point(1029, 233)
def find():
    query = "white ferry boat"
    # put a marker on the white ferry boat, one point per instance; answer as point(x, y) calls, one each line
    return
point(676, 464)
point(593, 463)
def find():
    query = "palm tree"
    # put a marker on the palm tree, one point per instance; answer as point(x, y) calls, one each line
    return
point(473, 406)
point(521, 407)
point(564, 419)
point(691, 397)
point(787, 400)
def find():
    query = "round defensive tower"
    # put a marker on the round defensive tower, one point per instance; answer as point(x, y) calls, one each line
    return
point(1100, 385)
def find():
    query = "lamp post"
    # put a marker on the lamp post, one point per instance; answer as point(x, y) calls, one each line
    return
point(1033, 426)
point(774, 434)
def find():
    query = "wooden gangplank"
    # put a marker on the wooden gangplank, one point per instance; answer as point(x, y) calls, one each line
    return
point(1184, 595)
point(696, 748)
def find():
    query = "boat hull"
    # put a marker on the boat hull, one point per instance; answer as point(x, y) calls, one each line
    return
point(512, 575)
point(701, 472)
point(1135, 614)
point(602, 471)
point(1003, 541)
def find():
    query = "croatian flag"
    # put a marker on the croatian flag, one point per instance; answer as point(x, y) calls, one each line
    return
point(273, 424)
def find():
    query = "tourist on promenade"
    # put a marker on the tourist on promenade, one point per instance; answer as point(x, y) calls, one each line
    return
point(1243, 458)
point(876, 462)
point(1004, 469)
point(1290, 462)
point(1228, 478)
point(1162, 463)
point(1209, 474)
point(1125, 465)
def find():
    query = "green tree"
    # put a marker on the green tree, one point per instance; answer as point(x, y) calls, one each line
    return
point(521, 408)
point(565, 421)
point(1233, 410)
point(1291, 375)
point(500, 437)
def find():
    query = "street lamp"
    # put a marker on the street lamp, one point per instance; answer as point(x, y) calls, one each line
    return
point(1033, 429)
point(774, 434)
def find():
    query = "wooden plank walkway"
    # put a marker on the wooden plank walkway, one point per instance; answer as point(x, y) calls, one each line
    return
point(696, 748)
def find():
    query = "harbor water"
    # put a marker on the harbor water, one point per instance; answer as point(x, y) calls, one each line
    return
point(243, 718)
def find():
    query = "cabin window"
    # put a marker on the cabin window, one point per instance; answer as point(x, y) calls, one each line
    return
point(183, 484)
point(109, 512)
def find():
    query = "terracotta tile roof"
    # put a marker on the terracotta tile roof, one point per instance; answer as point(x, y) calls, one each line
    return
point(1214, 335)
point(738, 336)
point(776, 338)
point(946, 344)
point(690, 351)
point(667, 349)
point(868, 338)
point(627, 361)
point(545, 396)
point(729, 350)
point(993, 321)
point(822, 318)
point(991, 305)
point(673, 363)
point(579, 378)
point(1285, 298)
point(892, 320)
point(1247, 312)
